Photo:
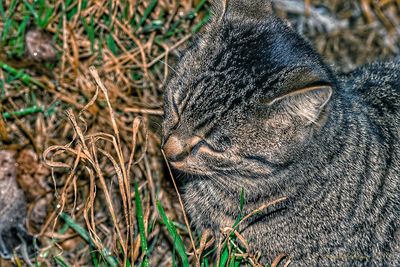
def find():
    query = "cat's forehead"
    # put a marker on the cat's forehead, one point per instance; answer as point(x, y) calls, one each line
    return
point(233, 64)
point(217, 78)
point(222, 65)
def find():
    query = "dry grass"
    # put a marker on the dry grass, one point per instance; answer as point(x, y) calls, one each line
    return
point(98, 128)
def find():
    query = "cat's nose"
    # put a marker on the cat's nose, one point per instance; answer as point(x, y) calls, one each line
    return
point(173, 147)
point(176, 149)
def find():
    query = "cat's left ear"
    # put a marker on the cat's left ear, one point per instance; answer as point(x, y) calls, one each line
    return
point(242, 9)
point(307, 103)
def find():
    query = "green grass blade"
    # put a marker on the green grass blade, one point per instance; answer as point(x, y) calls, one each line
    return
point(100, 41)
point(111, 44)
point(77, 228)
point(46, 18)
point(8, 20)
point(199, 6)
point(11, 8)
point(6, 29)
point(171, 31)
point(201, 23)
point(52, 109)
point(23, 112)
point(196, 10)
point(224, 256)
point(2, 89)
point(85, 235)
point(235, 261)
point(2, 12)
point(191, 15)
point(241, 200)
point(20, 75)
point(72, 13)
point(178, 243)
point(89, 28)
point(32, 11)
point(41, 4)
point(155, 25)
point(93, 254)
point(84, 4)
point(205, 263)
point(135, 11)
point(238, 262)
point(147, 12)
point(173, 260)
point(68, 3)
point(20, 47)
point(60, 261)
point(142, 229)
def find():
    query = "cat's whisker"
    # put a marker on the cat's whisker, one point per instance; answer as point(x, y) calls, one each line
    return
point(216, 181)
point(169, 66)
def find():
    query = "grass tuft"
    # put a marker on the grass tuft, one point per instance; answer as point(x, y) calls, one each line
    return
point(177, 240)
point(142, 229)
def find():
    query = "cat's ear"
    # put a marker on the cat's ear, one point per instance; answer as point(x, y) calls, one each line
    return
point(306, 103)
point(242, 9)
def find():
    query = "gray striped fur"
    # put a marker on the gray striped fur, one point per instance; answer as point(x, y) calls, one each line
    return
point(236, 88)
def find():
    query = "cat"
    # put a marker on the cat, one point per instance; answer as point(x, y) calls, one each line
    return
point(253, 107)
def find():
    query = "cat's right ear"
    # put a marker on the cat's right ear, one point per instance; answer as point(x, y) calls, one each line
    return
point(241, 9)
point(306, 103)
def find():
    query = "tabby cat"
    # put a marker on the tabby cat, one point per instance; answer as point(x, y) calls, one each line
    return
point(252, 106)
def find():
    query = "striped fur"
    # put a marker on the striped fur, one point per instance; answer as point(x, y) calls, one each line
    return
point(234, 89)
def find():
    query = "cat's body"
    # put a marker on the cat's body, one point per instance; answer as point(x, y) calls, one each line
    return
point(253, 107)
point(331, 219)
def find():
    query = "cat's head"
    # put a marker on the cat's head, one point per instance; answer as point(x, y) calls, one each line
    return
point(247, 96)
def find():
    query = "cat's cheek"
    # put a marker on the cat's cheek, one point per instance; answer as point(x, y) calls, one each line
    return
point(199, 164)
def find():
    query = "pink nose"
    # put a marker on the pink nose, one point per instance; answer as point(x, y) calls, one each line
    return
point(173, 147)
point(176, 149)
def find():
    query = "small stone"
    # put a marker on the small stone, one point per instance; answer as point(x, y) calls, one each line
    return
point(12, 207)
point(39, 45)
